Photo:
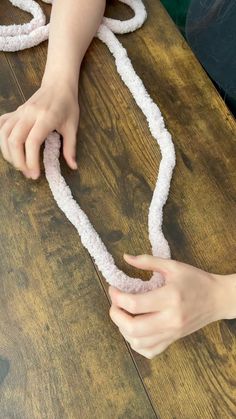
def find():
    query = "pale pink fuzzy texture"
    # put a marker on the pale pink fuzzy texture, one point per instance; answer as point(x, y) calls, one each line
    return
point(18, 37)
point(14, 38)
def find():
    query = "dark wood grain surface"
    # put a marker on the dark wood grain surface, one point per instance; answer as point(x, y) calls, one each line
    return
point(60, 354)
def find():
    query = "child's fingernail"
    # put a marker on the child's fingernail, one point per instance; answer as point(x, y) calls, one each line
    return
point(130, 256)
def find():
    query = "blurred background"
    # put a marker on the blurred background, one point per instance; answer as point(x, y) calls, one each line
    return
point(209, 27)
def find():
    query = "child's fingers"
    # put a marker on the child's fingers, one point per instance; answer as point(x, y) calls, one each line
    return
point(16, 143)
point(36, 137)
point(69, 145)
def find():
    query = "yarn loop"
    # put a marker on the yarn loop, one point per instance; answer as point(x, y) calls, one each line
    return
point(19, 37)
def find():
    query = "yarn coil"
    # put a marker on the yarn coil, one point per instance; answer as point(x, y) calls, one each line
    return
point(19, 37)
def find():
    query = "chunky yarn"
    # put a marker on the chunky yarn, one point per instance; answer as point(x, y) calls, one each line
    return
point(18, 37)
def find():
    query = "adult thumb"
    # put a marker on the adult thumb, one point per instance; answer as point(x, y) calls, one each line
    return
point(150, 263)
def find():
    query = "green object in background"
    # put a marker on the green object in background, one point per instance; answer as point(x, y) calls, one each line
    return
point(177, 9)
point(214, 43)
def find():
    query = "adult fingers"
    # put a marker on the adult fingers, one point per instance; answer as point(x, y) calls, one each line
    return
point(69, 145)
point(147, 341)
point(3, 119)
point(148, 302)
point(140, 325)
point(16, 143)
point(5, 132)
point(152, 263)
point(5, 149)
point(150, 353)
point(36, 137)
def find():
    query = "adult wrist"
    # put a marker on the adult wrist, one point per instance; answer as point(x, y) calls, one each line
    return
point(61, 76)
point(225, 296)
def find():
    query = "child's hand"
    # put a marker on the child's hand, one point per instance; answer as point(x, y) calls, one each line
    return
point(23, 131)
point(190, 299)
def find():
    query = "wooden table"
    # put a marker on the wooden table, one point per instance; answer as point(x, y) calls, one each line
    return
point(60, 354)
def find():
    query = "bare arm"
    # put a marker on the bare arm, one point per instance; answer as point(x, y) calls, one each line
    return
point(72, 27)
point(54, 106)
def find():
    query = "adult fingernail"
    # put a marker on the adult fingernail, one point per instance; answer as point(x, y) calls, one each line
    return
point(34, 175)
point(26, 174)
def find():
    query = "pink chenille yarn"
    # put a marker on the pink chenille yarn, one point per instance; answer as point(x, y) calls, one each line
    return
point(18, 37)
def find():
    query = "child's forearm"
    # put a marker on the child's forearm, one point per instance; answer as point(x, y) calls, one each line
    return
point(72, 27)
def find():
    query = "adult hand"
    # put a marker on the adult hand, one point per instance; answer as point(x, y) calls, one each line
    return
point(190, 299)
point(23, 131)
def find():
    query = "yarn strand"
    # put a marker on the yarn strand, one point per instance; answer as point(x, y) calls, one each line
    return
point(18, 37)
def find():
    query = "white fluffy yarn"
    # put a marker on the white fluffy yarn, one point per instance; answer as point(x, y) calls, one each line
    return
point(18, 37)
